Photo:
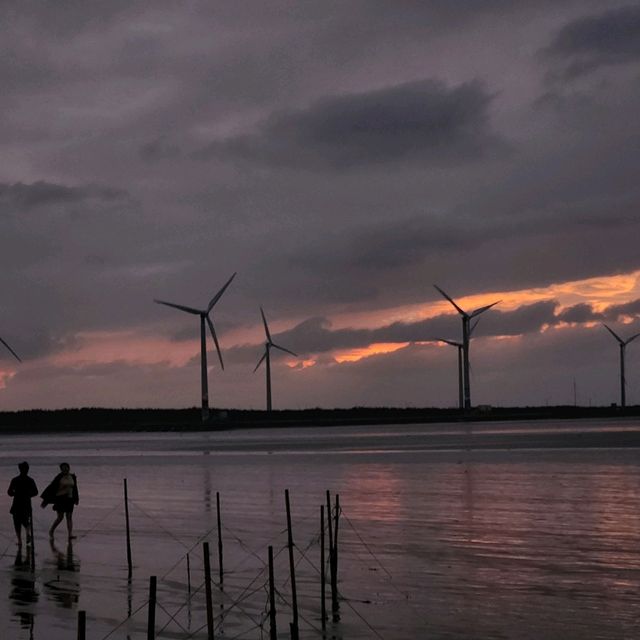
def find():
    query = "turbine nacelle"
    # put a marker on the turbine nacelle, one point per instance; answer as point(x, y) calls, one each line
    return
point(205, 314)
point(621, 342)
point(460, 310)
point(270, 343)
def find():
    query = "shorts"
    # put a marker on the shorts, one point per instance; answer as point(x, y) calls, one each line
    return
point(21, 518)
point(63, 505)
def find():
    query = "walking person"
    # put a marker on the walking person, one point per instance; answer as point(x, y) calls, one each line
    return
point(62, 492)
point(22, 488)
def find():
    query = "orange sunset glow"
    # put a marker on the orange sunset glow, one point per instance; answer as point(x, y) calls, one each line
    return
point(599, 292)
point(137, 346)
point(353, 355)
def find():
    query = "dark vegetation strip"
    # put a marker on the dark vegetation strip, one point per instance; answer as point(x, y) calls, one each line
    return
point(99, 419)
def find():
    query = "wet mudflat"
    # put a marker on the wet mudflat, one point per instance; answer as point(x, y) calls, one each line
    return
point(504, 530)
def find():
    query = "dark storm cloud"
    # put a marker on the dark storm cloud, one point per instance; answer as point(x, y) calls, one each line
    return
point(64, 18)
point(528, 318)
point(20, 197)
point(607, 38)
point(315, 335)
point(579, 313)
point(424, 121)
point(160, 148)
point(617, 311)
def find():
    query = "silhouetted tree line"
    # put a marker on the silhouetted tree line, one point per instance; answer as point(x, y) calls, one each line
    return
point(98, 419)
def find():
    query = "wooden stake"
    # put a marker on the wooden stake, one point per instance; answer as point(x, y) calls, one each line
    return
point(126, 517)
point(330, 525)
point(335, 605)
point(220, 569)
point(332, 566)
point(188, 575)
point(32, 550)
point(292, 569)
point(151, 619)
point(82, 625)
point(323, 600)
point(207, 586)
point(273, 631)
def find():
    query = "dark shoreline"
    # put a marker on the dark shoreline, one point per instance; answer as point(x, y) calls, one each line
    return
point(119, 420)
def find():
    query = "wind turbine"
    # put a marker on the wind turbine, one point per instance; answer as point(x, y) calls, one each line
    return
point(459, 347)
point(267, 356)
point(204, 317)
point(466, 338)
point(15, 355)
point(623, 345)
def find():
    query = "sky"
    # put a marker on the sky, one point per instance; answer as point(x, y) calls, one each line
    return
point(342, 158)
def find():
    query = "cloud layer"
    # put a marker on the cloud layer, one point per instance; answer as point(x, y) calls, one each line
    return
point(341, 158)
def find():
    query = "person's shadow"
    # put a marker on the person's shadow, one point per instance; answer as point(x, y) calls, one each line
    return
point(64, 589)
point(23, 594)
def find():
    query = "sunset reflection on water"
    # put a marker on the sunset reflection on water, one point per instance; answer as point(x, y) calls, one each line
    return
point(503, 542)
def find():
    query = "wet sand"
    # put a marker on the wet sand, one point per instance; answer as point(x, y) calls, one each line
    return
point(499, 530)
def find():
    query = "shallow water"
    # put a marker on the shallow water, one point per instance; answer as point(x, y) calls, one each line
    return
point(503, 530)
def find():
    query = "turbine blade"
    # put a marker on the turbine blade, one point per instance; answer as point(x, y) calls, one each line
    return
point(450, 299)
point(633, 337)
point(215, 340)
point(266, 326)
point(15, 355)
point(453, 343)
point(264, 355)
point(613, 333)
point(477, 312)
point(196, 312)
point(277, 346)
point(219, 294)
point(473, 326)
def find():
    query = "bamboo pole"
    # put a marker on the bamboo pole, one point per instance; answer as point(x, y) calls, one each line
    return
point(323, 599)
point(332, 568)
point(273, 631)
point(32, 550)
point(335, 604)
point(292, 568)
point(126, 516)
point(188, 576)
point(151, 618)
point(82, 625)
point(207, 586)
point(220, 566)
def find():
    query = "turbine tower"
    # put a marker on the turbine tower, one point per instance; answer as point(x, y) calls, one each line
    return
point(466, 338)
point(623, 345)
point(459, 347)
point(267, 356)
point(204, 317)
point(15, 355)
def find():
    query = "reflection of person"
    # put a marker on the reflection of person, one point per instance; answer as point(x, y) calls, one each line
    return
point(23, 594)
point(62, 492)
point(64, 588)
point(65, 561)
point(22, 488)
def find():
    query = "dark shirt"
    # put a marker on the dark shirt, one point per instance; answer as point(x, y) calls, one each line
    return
point(22, 488)
point(49, 495)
